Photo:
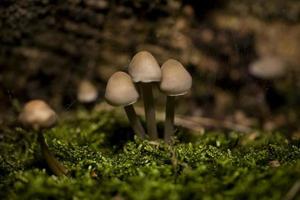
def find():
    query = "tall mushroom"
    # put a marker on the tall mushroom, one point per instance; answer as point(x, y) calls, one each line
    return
point(120, 91)
point(145, 70)
point(37, 115)
point(176, 81)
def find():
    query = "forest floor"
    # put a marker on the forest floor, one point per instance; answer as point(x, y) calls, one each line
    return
point(238, 135)
point(106, 161)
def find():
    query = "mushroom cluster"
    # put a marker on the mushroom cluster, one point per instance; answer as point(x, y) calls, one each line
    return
point(143, 73)
point(121, 90)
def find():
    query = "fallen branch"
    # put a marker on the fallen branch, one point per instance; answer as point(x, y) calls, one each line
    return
point(194, 123)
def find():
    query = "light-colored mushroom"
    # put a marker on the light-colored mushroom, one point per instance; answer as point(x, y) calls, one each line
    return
point(87, 92)
point(37, 115)
point(145, 70)
point(268, 68)
point(120, 91)
point(176, 81)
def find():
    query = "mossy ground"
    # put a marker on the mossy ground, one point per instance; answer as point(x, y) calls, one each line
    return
point(107, 162)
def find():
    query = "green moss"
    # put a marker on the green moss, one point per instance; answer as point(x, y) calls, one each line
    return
point(106, 162)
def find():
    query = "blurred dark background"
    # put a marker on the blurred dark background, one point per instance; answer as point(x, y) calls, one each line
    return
point(243, 54)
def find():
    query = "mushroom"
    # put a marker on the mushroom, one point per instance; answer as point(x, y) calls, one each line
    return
point(145, 70)
point(87, 92)
point(120, 91)
point(176, 81)
point(268, 68)
point(38, 116)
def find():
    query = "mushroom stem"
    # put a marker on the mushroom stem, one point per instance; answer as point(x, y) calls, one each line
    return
point(134, 121)
point(169, 121)
point(149, 110)
point(57, 168)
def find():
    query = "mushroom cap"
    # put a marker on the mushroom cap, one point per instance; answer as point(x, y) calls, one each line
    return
point(176, 80)
point(37, 114)
point(144, 68)
point(268, 68)
point(120, 90)
point(87, 92)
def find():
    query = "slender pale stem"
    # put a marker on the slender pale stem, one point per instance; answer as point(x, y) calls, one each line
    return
point(56, 167)
point(169, 121)
point(149, 110)
point(134, 121)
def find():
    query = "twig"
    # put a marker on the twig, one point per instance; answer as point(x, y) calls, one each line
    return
point(193, 123)
point(293, 191)
point(208, 122)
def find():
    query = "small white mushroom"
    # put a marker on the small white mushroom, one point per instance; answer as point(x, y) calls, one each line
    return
point(38, 115)
point(87, 92)
point(268, 68)
point(145, 70)
point(120, 91)
point(176, 81)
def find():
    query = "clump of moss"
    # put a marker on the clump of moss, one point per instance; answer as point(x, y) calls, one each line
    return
point(106, 161)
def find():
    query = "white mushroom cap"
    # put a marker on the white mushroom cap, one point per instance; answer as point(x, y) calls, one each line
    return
point(144, 68)
point(37, 114)
point(87, 92)
point(268, 68)
point(120, 90)
point(176, 80)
